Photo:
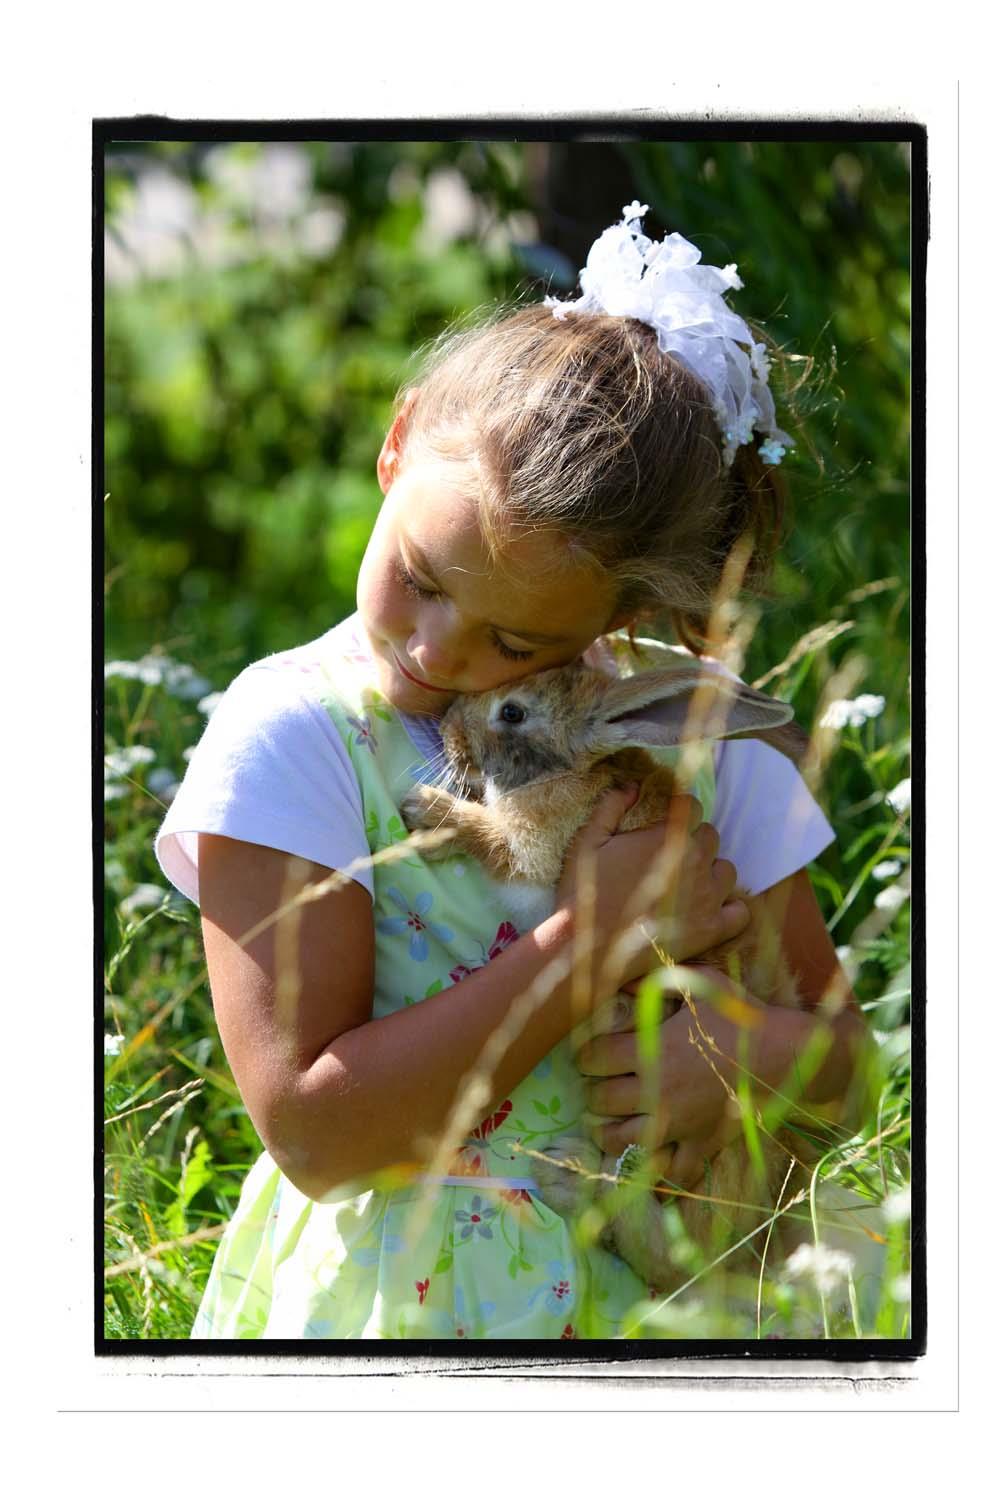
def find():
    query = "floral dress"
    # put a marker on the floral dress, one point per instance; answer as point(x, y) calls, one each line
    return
point(472, 1252)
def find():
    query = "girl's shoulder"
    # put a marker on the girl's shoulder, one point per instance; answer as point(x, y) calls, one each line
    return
point(270, 768)
point(274, 698)
point(307, 664)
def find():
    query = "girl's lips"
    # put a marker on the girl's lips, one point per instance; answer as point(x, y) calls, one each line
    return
point(419, 682)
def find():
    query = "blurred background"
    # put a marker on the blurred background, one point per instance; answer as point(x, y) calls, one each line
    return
point(264, 301)
point(263, 304)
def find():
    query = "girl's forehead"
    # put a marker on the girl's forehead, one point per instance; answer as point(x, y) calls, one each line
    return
point(440, 521)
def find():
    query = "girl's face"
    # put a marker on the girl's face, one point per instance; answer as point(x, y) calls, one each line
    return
point(442, 620)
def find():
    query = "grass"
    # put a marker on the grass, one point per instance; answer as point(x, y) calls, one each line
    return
point(178, 1141)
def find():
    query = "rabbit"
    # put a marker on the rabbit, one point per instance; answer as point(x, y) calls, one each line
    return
point(534, 759)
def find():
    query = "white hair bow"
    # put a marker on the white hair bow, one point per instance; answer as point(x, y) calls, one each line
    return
point(630, 276)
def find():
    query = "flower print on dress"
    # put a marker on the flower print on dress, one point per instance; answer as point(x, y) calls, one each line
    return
point(465, 1326)
point(516, 1195)
point(506, 934)
point(492, 1122)
point(377, 705)
point(422, 1287)
point(364, 734)
point(366, 1255)
point(476, 1221)
point(558, 1293)
point(416, 920)
point(469, 1157)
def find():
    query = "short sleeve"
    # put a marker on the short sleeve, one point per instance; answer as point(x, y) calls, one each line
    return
point(768, 822)
point(269, 769)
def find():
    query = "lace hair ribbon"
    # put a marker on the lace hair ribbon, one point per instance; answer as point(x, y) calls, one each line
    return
point(663, 284)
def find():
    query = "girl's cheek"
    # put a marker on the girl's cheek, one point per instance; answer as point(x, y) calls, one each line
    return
point(378, 598)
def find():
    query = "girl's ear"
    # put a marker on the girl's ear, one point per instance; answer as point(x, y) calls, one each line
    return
point(391, 455)
point(673, 707)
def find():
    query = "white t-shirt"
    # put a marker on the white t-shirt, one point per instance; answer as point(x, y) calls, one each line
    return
point(271, 769)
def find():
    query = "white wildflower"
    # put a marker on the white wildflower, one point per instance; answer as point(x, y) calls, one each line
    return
point(142, 898)
point(184, 682)
point(887, 869)
point(149, 670)
point(163, 783)
point(121, 762)
point(892, 898)
point(209, 704)
point(187, 754)
point(855, 711)
point(113, 790)
point(899, 798)
point(899, 1289)
point(128, 669)
point(897, 1206)
point(826, 1266)
point(112, 1044)
point(161, 671)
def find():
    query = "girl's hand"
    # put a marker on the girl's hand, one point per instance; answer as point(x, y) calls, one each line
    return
point(695, 1115)
point(694, 895)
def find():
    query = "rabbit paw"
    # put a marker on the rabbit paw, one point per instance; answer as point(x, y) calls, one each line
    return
point(564, 1174)
point(424, 807)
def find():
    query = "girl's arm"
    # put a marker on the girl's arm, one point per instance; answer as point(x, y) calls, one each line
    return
point(693, 1101)
point(792, 908)
point(335, 1094)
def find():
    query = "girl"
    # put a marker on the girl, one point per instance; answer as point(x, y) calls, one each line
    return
point(557, 476)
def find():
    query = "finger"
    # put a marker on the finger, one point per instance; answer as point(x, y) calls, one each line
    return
point(724, 875)
point(684, 814)
point(733, 919)
point(690, 1166)
point(693, 1159)
point(663, 1159)
point(608, 1055)
point(605, 818)
point(618, 1098)
point(616, 1014)
point(706, 838)
point(614, 1135)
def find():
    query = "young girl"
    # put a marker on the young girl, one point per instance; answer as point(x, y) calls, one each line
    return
point(558, 475)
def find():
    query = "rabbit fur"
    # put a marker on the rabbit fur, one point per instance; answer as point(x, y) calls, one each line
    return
point(532, 760)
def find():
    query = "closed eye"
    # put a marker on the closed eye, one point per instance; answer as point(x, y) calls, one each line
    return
point(419, 590)
point(407, 581)
point(509, 651)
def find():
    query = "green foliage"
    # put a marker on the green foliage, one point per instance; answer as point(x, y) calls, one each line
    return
point(248, 392)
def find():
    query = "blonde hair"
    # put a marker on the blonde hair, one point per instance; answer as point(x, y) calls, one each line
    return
point(581, 426)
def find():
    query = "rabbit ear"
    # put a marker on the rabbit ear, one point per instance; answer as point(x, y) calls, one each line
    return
point(674, 707)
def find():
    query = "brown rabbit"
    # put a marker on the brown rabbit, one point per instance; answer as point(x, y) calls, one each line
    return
point(534, 759)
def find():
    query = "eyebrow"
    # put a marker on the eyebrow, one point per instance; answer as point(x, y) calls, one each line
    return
point(524, 635)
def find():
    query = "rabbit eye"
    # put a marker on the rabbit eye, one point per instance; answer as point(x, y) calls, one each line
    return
point(512, 713)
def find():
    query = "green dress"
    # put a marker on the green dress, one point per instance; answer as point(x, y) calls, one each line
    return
point(474, 1253)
